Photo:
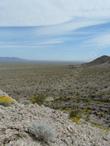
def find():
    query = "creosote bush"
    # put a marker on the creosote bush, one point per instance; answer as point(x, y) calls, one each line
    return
point(39, 99)
point(42, 132)
point(75, 116)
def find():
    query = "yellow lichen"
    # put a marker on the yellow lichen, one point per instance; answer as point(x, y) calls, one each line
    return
point(6, 100)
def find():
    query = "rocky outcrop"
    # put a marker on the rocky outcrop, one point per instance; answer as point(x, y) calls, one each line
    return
point(34, 125)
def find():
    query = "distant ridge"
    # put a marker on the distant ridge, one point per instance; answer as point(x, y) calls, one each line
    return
point(17, 59)
point(100, 61)
point(12, 59)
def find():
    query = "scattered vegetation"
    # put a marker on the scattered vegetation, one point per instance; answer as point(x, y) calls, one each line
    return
point(84, 87)
point(39, 99)
point(76, 114)
point(97, 125)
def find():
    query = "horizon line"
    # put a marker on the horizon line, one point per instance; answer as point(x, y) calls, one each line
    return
point(43, 60)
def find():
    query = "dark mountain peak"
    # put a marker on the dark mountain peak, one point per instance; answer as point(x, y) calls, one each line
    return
point(100, 61)
point(104, 57)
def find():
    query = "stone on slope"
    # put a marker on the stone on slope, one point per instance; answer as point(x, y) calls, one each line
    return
point(3, 93)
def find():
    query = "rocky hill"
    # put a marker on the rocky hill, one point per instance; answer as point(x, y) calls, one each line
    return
point(103, 60)
point(34, 125)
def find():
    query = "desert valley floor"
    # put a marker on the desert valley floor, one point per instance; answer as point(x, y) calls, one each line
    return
point(81, 90)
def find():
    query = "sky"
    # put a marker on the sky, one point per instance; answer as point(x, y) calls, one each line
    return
point(63, 30)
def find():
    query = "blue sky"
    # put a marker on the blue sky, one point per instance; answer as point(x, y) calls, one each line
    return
point(55, 29)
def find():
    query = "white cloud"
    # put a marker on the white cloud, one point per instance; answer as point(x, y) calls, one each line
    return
point(67, 27)
point(49, 12)
point(102, 41)
point(49, 42)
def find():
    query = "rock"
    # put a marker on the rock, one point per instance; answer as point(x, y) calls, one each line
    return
point(3, 93)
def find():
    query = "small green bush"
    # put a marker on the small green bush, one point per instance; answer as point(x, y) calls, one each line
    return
point(6, 100)
point(39, 99)
point(75, 116)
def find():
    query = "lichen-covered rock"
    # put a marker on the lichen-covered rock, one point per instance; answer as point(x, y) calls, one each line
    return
point(34, 125)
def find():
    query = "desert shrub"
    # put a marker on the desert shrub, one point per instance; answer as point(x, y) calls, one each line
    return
point(6, 100)
point(39, 99)
point(42, 132)
point(75, 116)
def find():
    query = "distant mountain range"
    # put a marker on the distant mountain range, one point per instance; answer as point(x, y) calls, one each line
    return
point(99, 61)
point(12, 59)
point(15, 59)
point(103, 60)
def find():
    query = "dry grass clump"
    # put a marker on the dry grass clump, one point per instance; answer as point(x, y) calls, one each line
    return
point(42, 132)
point(6, 100)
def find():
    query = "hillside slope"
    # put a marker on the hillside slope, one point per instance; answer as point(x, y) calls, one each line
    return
point(103, 60)
point(34, 125)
